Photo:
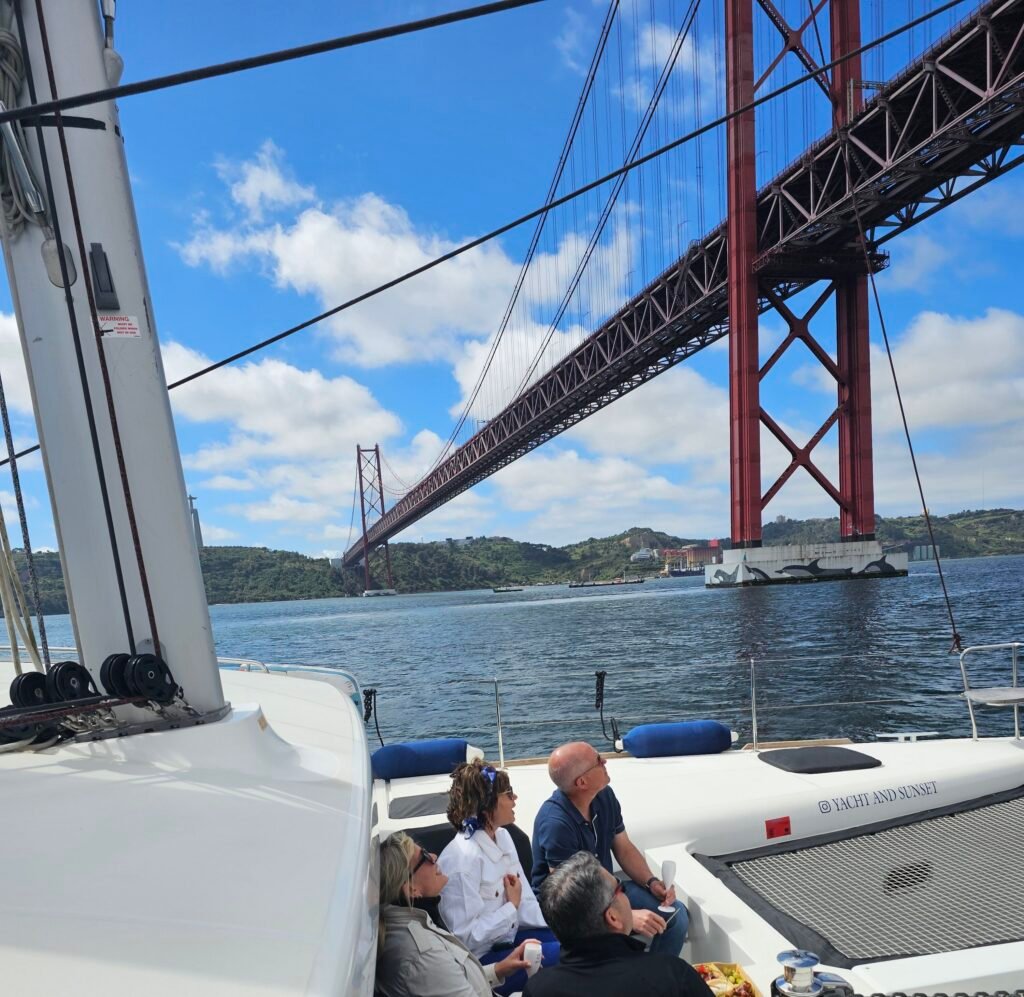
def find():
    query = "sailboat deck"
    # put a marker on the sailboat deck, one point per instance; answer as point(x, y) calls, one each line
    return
point(208, 860)
point(680, 807)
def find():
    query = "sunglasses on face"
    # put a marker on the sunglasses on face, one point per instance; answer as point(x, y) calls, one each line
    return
point(600, 763)
point(619, 888)
point(425, 859)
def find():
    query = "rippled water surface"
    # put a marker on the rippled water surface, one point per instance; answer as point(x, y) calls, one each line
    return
point(827, 653)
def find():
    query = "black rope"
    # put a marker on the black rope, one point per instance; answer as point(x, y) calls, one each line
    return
point(599, 698)
point(259, 61)
point(957, 641)
point(122, 466)
point(537, 212)
point(370, 710)
point(69, 302)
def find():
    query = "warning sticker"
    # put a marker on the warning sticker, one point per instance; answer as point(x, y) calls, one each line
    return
point(117, 326)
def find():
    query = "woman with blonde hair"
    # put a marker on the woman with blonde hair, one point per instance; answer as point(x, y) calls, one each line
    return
point(416, 958)
point(488, 902)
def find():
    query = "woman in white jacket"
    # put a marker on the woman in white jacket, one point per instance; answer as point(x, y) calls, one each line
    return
point(415, 957)
point(488, 902)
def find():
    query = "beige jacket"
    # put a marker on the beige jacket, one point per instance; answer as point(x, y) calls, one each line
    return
point(419, 959)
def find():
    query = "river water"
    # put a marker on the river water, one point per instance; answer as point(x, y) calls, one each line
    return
point(826, 653)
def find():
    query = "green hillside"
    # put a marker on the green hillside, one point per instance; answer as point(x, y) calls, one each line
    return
point(256, 574)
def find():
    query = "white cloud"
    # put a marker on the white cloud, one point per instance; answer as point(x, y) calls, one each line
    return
point(679, 417)
point(262, 184)
point(274, 411)
point(339, 253)
point(289, 437)
point(570, 41)
point(12, 366)
point(228, 483)
point(954, 372)
point(916, 259)
point(283, 508)
point(215, 533)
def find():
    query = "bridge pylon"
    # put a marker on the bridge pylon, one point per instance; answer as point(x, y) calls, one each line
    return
point(371, 508)
point(761, 281)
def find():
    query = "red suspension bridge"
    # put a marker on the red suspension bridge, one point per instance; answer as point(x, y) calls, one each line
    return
point(897, 152)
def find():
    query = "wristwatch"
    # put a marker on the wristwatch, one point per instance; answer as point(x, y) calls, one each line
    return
point(653, 879)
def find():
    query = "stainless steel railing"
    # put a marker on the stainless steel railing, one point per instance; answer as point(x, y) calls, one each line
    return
point(1005, 697)
point(754, 709)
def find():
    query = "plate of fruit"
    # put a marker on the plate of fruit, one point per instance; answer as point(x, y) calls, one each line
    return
point(726, 979)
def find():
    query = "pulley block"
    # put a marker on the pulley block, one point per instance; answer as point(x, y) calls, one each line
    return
point(149, 676)
point(68, 680)
point(112, 675)
point(29, 689)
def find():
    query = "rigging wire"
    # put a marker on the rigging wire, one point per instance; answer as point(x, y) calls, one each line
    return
point(69, 301)
point(258, 61)
point(536, 212)
point(108, 391)
point(30, 561)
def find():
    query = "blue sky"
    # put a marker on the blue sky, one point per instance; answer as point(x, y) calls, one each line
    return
point(265, 197)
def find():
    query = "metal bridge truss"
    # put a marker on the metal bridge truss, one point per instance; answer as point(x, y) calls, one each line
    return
point(950, 123)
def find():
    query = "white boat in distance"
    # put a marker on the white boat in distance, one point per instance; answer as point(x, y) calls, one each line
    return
point(189, 828)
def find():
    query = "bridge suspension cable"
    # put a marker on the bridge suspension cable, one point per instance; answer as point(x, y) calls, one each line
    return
point(588, 85)
point(613, 195)
point(529, 216)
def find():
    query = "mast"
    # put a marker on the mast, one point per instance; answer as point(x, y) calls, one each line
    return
point(98, 387)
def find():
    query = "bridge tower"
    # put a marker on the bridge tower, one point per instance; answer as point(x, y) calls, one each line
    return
point(752, 282)
point(371, 507)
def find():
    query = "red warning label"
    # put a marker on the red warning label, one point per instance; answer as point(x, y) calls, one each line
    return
point(114, 325)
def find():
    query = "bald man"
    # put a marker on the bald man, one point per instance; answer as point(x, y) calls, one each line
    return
point(583, 815)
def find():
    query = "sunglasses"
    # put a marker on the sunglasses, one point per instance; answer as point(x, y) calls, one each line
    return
point(425, 858)
point(600, 763)
point(619, 888)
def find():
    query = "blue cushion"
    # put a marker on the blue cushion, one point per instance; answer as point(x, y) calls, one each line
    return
point(434, 757)
point(691, 737)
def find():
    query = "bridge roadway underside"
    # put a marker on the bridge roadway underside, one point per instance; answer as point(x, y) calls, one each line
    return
point(949, 124)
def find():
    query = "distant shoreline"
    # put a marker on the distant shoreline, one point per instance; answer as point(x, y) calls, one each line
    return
point(235, 575)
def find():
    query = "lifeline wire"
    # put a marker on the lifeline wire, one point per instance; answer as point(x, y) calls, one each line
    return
point(537, 212)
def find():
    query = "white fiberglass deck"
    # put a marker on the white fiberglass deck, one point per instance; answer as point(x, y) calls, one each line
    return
point(209, 860)
point(718, 804)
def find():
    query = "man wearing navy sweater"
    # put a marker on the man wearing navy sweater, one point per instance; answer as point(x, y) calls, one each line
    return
point(583, 814)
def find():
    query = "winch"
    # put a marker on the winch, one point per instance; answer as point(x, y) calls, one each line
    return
point(799, 978)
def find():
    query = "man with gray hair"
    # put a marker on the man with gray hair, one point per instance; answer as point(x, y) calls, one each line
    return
point(586, 907)
point(583, 814)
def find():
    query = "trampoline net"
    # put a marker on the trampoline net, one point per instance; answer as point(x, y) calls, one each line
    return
point(945, 883)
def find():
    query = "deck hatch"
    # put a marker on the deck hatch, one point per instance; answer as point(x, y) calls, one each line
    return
point(939, 882)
